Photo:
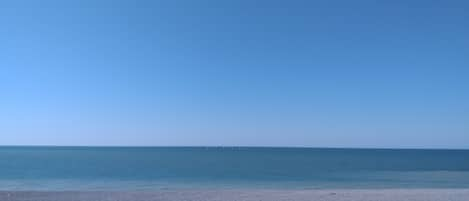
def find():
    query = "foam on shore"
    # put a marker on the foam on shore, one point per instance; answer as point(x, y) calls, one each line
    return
point(243, 195)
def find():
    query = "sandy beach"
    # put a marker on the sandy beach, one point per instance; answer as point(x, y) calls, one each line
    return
point(243, 195)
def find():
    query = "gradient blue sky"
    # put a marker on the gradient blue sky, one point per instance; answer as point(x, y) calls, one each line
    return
point(251, 73)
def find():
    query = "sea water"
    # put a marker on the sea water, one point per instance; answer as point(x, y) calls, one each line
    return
point(152, 168)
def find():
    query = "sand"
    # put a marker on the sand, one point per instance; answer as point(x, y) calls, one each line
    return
point(243, 195)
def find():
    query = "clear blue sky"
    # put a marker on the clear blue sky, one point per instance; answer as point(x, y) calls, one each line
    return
point(264, 73)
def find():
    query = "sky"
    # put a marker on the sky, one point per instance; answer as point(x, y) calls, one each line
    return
point(388, 74)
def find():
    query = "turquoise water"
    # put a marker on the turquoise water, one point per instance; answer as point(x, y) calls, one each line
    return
point(147, 168)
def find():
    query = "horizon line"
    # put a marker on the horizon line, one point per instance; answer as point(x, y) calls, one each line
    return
point(233, 146)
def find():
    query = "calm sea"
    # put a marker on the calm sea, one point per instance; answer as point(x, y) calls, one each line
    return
point(147, 168)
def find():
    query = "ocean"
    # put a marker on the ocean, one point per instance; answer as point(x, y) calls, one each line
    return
point(152, 168)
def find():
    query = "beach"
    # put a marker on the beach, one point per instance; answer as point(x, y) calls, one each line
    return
point(243, 195)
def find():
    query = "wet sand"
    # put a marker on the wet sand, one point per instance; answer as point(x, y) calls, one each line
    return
point(243, 195)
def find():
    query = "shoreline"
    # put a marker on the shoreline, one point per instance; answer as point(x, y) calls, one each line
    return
point(424, 194)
